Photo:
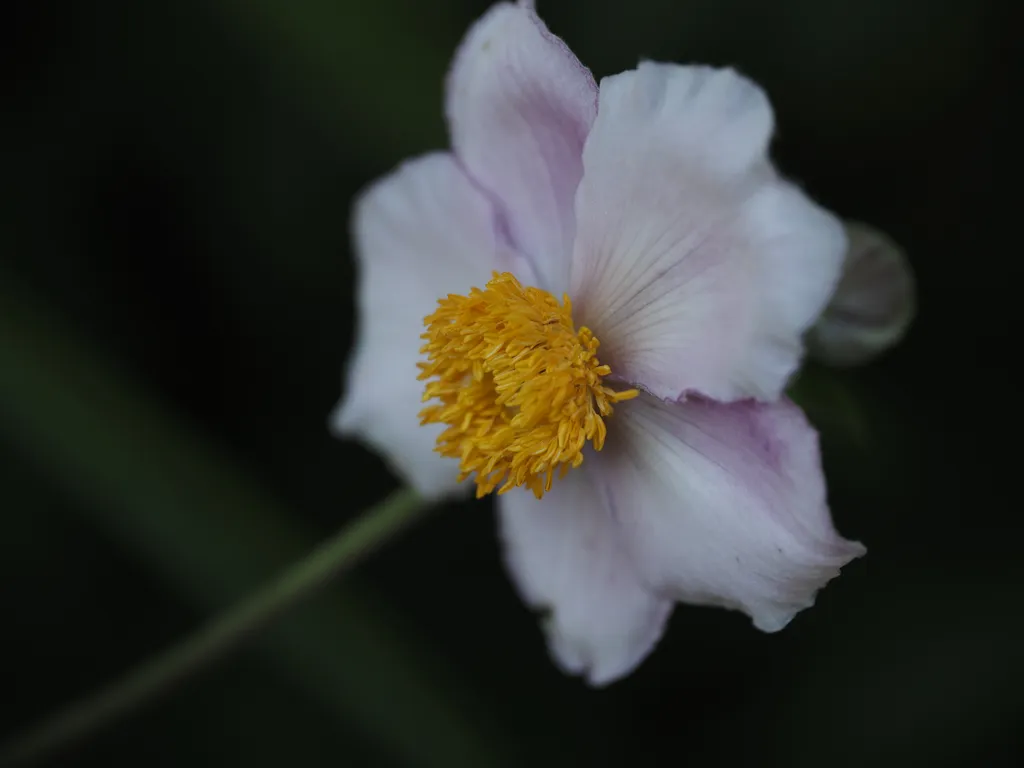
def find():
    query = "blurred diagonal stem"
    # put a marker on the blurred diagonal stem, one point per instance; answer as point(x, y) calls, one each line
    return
point(170, 497)
point(221, 635)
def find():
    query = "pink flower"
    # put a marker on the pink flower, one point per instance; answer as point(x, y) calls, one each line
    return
point(651, 204)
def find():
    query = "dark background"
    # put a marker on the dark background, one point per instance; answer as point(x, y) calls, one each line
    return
point(176, 307)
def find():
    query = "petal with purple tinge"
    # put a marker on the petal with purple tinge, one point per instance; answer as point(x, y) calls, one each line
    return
point(724, 504)
point(519, 107)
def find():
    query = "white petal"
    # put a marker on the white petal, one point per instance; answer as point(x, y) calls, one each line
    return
point(695, 265)
point(565, 556)
point(419, 234)
point(873, 304)
point(519, 107)
point(724, 504)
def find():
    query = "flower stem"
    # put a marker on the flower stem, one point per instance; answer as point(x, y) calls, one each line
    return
point(222, 634)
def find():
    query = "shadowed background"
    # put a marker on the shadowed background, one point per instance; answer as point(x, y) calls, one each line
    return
point(176, 308)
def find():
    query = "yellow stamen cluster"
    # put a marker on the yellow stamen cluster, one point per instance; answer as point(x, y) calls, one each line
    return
point(519, 388)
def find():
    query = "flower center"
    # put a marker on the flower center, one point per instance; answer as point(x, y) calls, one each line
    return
point(519, 388)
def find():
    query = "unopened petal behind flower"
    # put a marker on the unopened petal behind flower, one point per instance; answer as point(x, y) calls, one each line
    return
point(873, 305)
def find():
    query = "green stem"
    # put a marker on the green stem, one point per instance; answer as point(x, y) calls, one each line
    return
point(154, 677)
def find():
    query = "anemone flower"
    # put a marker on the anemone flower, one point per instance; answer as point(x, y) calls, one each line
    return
point(591, 306)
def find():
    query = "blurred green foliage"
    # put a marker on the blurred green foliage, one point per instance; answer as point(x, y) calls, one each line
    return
point(214, 534)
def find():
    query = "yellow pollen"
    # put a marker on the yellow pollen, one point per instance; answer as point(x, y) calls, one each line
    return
point(519, 387)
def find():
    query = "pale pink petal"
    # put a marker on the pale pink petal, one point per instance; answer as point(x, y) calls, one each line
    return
point(565, 556)
point(419, 234)
point(519, 107)
point(873, 304)
point(724, 504)
point(697, 267)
